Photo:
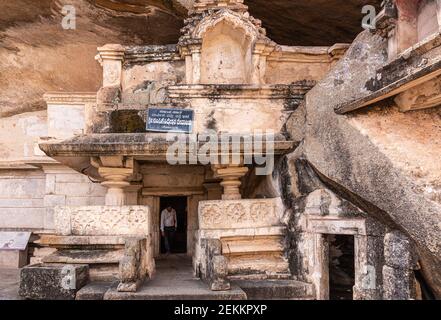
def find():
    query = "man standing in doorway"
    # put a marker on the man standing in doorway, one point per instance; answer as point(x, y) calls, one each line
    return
point(169, 224)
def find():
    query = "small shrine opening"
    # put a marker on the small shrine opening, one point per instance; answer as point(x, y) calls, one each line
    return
point(179, 241)
point(341, 267)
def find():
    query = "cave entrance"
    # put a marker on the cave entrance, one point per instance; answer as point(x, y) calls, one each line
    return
point(341, 267)
point(179, 241)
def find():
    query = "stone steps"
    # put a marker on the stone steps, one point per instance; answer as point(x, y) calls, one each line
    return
point(103, 264)
point(265, 265)
point(196, 290)
point(275, 289)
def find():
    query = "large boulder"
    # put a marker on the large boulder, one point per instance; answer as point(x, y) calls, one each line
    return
point(384, 161)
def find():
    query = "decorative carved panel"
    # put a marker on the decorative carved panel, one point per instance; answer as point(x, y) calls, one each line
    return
point(239, 214)
point(102, 220)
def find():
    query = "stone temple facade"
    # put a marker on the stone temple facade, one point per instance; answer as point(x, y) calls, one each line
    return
point(351, 210)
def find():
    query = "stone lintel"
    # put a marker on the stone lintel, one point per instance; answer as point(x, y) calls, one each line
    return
point(173, 191)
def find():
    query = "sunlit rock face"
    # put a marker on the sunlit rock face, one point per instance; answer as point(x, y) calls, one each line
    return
point(37, 55)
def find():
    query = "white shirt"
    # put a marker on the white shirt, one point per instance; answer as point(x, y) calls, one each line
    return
point(168, 219)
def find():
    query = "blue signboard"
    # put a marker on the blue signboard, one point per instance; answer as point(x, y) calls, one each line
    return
point(170, 120)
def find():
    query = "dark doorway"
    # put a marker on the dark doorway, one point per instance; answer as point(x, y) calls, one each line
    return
point(179, 244)
point(341, 267)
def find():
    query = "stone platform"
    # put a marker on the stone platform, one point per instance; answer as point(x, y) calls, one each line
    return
point(275, 289)
point(173, 280)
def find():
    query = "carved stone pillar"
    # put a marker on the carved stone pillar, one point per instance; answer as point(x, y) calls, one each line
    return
point(111, 58)
point(259, 62)
point(115, 179)
point(196, 64)
point(231, 182)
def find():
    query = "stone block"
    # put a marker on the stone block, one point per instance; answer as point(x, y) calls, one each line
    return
point(71, 178)
point(275, 289)
point(94, 291)
point(398, 250)
point(21, 203)
point(398, 284)
point(50, 183)
point(54, 200)
point(22, 218)
point(102, 220)
point(13, 258)
point(84, 201)
point(73, 189)
point(52, 281)
point(97, 190)
point(49, 219)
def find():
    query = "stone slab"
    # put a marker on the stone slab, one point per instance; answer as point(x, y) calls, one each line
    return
point(192, 290)
point(9, 280)
point(52, 281)
point(85, 256)
point(274, 289)
point(13, 258)
point(95, 290)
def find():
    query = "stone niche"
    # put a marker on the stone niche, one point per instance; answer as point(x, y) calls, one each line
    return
point(226, 55)
point(383, 260)
point(326, 214)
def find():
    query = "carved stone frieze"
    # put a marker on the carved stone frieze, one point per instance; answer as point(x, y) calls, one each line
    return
point(238, 214)
point(102, 220)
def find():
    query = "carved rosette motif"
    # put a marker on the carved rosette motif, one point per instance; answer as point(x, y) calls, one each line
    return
point(106, 220)
point(236, 212)
point(212, 214)
point(239, 213)
point(259, 211)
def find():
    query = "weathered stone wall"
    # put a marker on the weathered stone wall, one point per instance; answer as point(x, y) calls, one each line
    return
point(145, 83)
point(19, 136)
point(66, 187)
point(31, 184)
point(22, 199)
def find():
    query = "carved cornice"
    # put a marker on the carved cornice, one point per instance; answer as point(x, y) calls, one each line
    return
point(70, 98)
point(293, 91)
point(204, 5)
